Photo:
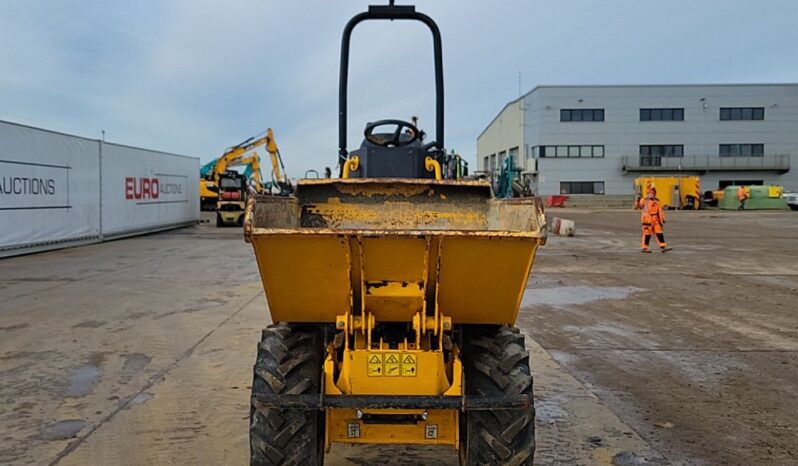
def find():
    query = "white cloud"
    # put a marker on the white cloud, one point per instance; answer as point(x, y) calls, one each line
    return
point(197, 76)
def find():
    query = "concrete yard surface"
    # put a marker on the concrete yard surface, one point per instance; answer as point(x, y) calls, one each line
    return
point(695, 349)
point(140, 351)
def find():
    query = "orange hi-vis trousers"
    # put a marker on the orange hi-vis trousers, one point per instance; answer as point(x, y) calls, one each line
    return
point(656, 229)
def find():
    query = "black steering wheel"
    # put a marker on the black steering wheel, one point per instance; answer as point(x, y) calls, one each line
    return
point(395, 140)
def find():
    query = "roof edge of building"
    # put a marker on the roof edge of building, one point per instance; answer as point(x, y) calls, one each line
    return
point(89, 139)
point(493, 120)
point(574, 86)
point(775, 84)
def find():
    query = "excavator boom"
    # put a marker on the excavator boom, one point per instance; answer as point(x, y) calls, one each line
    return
point(233, 156)
point(237, 156)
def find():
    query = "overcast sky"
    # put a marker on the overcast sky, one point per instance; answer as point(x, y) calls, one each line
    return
point(194, 77)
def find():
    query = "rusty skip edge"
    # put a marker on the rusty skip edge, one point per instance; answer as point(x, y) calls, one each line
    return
point(463, 403)
point(489, 234)
point(391, 181)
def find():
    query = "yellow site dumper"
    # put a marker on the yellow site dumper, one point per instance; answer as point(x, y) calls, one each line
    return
point(673, 192)
point(393, 293)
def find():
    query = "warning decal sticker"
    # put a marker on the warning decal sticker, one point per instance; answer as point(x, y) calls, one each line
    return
point(409, 366)
point(392, 364)
point(374, 365)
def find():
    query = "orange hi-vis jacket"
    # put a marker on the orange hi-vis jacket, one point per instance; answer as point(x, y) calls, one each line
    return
point(741, 194)
point(651, 212)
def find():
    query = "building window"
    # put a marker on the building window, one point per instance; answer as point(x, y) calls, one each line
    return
point(514, 155)
point(502, 156)
point(581, 187)
point(663, 150)
point(493, 162)
point(582, 114)
point(571, 151)
point(486, 163)
point(661, 114)
point(741, 150)
point(742, 113)
point(651, 155)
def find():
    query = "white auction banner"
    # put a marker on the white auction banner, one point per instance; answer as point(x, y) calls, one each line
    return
point(58, 190)
point(144, 189)
point(49, 187)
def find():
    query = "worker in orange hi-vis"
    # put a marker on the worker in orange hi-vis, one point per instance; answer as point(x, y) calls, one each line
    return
point(742, 195)
point(652, 216)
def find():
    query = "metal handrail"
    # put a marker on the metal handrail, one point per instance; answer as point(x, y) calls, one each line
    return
point(708, 162)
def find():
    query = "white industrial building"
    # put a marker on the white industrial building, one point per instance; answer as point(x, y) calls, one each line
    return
point(597, 139)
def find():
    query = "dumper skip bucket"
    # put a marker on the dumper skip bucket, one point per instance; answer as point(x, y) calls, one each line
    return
point(394, 247)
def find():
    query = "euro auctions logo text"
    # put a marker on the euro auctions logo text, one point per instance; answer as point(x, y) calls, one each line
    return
point(150, 188)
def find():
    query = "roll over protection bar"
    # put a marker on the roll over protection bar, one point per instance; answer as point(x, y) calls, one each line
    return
point(389, 12)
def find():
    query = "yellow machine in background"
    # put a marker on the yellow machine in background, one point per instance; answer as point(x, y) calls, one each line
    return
point(236, 156)
point(393, 292)
point(674, 192)
point(234, 190)
point(209, 192)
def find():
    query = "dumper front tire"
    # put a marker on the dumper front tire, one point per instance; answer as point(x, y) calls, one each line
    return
point(496, 363)
point(289, 362)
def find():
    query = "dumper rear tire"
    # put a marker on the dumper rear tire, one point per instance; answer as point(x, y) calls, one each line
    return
point(289, 362)
point(496, 363)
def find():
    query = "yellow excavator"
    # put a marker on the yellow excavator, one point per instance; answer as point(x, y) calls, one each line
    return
point(211, 173)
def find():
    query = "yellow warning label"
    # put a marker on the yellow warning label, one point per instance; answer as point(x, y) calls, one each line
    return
point(374, 365)
point(392, 365)
point(409, 366)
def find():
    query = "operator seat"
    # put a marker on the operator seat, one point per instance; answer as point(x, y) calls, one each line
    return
point(397, 154)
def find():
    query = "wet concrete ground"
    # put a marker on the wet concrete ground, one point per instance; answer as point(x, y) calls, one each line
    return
point(696, 349)
point(140, 351)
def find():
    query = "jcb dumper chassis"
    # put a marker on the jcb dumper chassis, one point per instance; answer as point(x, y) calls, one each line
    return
point(393, 293)
point(401, 293)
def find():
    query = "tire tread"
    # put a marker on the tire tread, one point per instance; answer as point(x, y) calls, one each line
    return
point(496, 362)
point(288, 362)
